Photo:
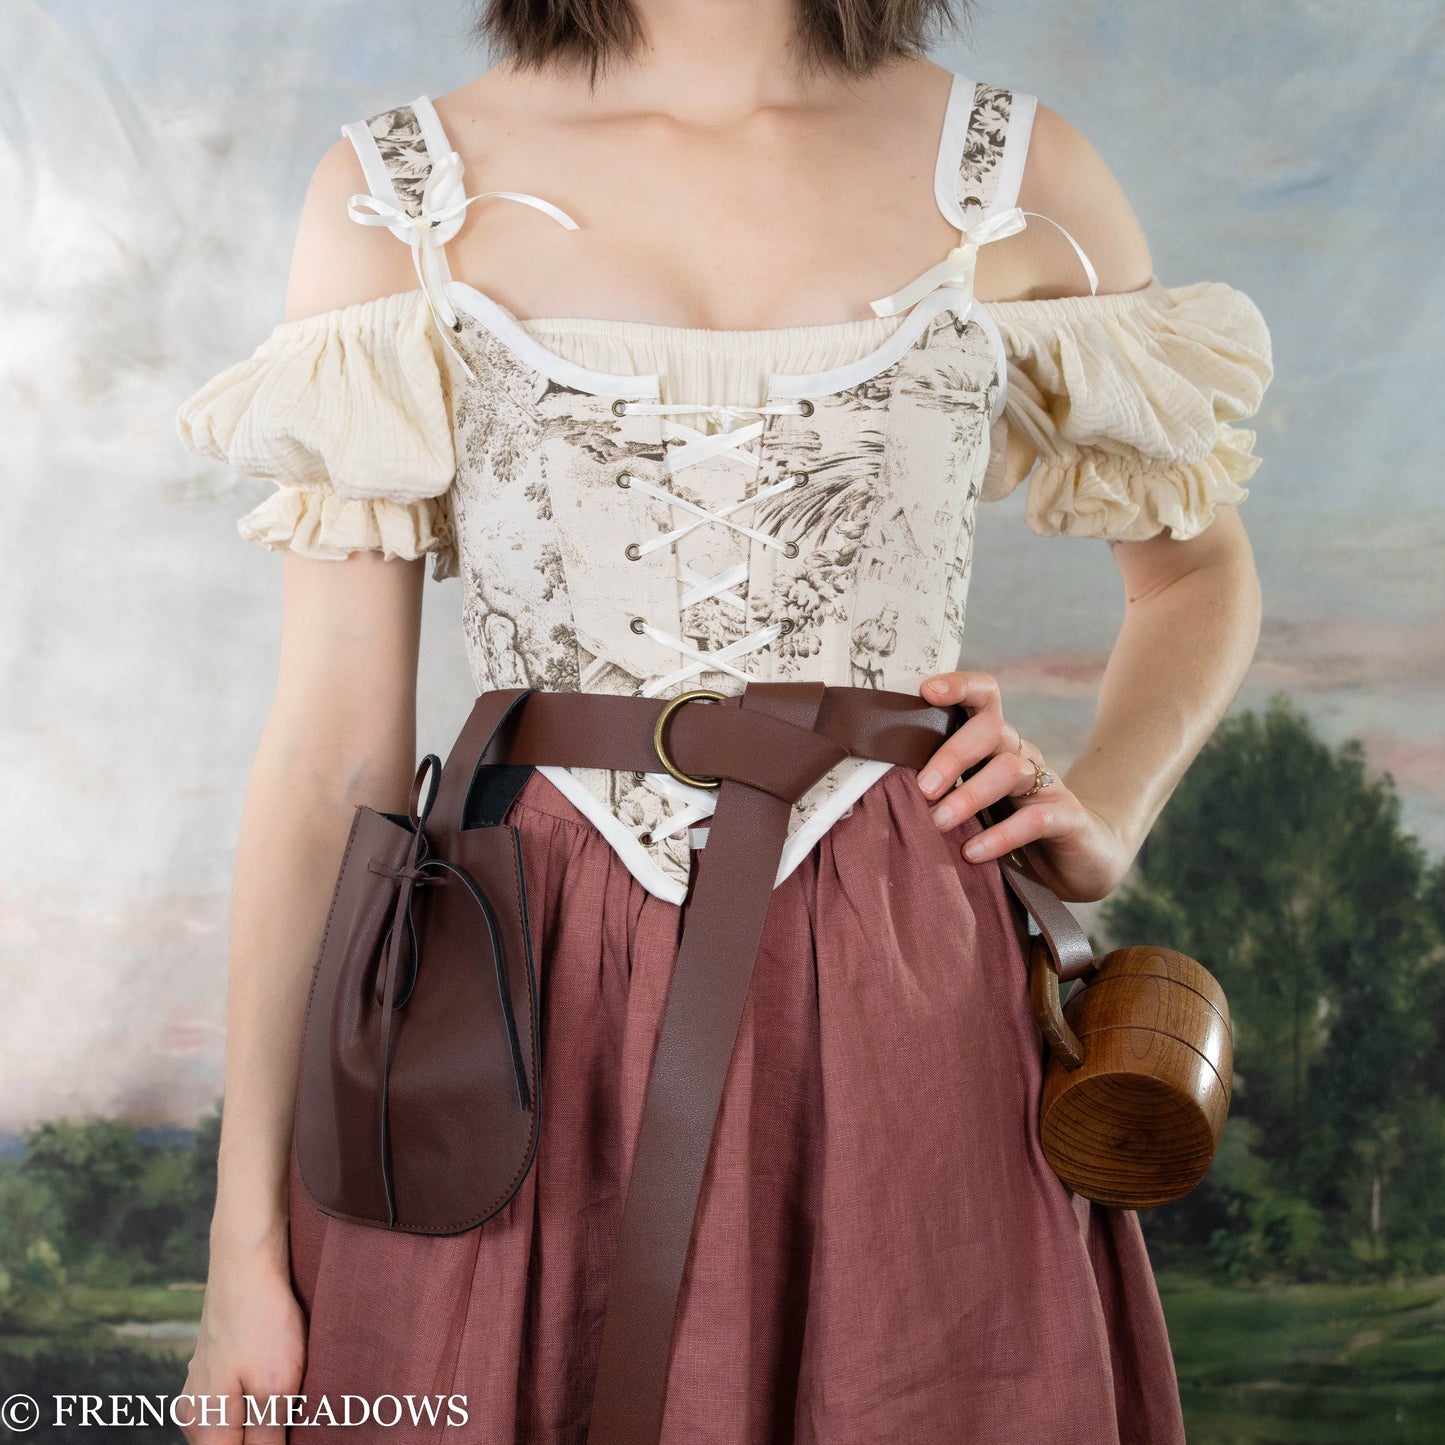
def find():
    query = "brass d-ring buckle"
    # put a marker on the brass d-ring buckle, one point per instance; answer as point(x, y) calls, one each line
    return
point(661, 723)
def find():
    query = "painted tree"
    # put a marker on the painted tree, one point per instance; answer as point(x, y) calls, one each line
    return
point(1281, 865)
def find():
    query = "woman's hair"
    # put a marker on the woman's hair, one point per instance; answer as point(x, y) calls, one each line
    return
point(852, 35)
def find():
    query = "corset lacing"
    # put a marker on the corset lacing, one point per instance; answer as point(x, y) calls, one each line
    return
point(698, 446)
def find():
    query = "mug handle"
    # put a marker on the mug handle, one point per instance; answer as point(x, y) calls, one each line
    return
point(1063, 1042)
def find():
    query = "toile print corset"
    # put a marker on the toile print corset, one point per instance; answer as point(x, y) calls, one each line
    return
point(614, 533)
point(606, 545)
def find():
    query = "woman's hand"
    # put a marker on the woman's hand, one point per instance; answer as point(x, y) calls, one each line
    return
point(252, 1342)
point(1073, 850)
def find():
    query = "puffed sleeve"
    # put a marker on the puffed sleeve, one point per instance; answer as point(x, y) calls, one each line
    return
point(346, 412)
point(1129, 399)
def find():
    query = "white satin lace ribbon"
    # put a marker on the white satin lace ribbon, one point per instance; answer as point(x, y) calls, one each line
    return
point(442, 200)
point(957, 268)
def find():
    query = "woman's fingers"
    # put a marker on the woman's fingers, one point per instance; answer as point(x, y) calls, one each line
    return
point(973, 689)
point(1008, 772)
point(208, 1416)
point(1081, 856)
point(1004, 775)
point(986, 730)
point(1030, 823)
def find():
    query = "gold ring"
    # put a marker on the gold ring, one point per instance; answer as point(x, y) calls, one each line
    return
point(661, 723)
point(1042, 778)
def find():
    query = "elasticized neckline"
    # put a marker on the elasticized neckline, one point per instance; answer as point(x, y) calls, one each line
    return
point(1078, 308)
point(758, 338)
point(359, 314)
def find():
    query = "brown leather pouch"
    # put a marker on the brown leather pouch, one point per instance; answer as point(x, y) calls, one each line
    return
point(417, 1105)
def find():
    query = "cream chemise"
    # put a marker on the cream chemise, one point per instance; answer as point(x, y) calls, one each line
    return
point(385, 429)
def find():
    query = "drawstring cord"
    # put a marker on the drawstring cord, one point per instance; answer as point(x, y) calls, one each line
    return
point(420, 871)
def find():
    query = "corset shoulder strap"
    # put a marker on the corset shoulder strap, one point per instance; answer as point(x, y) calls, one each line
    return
point(984, 145)
point(397, 149)
point(986, 159)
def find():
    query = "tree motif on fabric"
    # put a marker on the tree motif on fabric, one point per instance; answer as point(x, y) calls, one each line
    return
point(951, 389)
point(398, 137)
point(843, 487)
point(560, 672)
point(984, 145)
point(552, 570)
point(496, 422)
point(817, 594)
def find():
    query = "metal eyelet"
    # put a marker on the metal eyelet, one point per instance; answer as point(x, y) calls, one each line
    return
point(645, 838)
point(801, 479)
point(791, 550)
point(637, 624)
point(971, 201)
point(619, 407)
point(786, 626)
point(634, 552)
point(639, 777)
point(624, 479)
point(805, 407)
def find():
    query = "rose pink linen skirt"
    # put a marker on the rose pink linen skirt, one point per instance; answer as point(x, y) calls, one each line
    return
point(882, 1251)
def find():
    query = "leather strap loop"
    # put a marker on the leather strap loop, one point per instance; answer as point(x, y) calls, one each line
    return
point(1067, 941)
point(489, 713)
point(705, 1001)
point(1073, 954)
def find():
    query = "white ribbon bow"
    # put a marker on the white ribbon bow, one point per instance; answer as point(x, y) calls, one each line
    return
point(442, 200)
point(957, 268)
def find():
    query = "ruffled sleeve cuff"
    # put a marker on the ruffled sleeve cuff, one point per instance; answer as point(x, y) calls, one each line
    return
point(346, 412)
point(1129, 399)
point(321, 524)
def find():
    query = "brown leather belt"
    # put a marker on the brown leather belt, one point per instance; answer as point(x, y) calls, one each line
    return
point(763, 749)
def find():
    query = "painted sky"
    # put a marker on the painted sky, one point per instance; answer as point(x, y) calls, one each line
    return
point(156, 155)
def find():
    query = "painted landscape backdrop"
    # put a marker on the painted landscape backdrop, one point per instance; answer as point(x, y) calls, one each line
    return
point(157, 156)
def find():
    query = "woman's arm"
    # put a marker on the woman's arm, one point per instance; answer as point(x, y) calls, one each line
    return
point(341, 730)
point(1191, 626)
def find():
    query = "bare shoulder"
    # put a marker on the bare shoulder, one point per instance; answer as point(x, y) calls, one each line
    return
point(336, 261)
point(501, 97)
point(1067, 179)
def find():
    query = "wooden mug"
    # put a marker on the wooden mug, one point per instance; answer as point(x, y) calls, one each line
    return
point(1137, 1084)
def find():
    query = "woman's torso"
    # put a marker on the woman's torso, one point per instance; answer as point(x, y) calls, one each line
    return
point(826, 534)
